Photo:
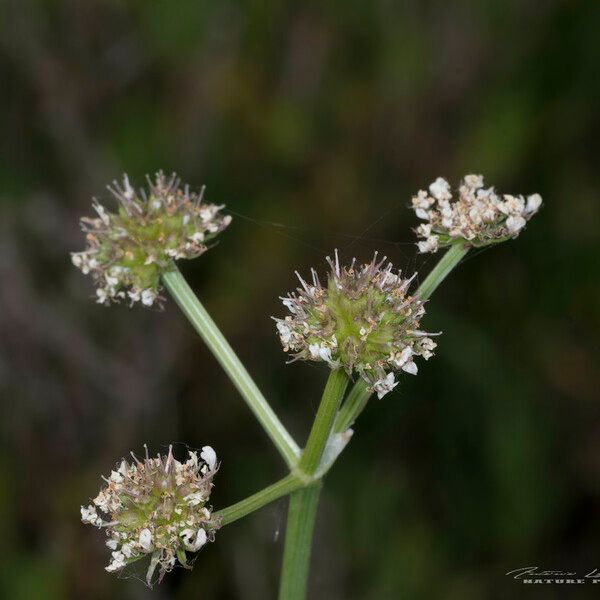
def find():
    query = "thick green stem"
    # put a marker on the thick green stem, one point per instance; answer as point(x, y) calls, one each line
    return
point(319, 434)
point(359, 395)
point(218, 345)
point(453, 256)
point(298, 541)
point(303, 503)
point(353, 405)
point(269, 494)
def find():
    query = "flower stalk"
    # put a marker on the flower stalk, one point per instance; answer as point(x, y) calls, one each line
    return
point(219, 346)
point(354, 404)
point(446, 264)
point(302, 509)
point(278, 489)
point(301, 518)
point(330, 402)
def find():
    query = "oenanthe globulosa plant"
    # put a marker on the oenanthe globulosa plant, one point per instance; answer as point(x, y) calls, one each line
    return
point(361, 320)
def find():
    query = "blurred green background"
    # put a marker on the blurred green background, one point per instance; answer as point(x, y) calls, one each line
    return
point(314, 123)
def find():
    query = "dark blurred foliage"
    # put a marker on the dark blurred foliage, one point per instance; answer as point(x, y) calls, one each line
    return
point(314, 122)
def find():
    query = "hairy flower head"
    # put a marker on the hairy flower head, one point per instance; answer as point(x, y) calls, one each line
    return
point(129, 249)
point(158, 507)
point(363, 320)
point(478, 216)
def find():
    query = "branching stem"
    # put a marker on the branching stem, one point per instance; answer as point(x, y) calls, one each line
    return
point(219, 346)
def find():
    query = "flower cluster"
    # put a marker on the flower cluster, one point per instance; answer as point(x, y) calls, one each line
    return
point(128, 250)
point(156, 506)
point(363, 320)
point(478, 216)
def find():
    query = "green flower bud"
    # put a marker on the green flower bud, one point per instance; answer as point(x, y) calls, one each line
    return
point(128, 250)
point(156, 507)
point(363, 321)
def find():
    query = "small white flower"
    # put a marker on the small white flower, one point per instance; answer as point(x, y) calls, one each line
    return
point(314, 350)
point(111, 280)
point(193, 540)
point(424, 230)
point(102, 296)
point(422, 200)
point(513, 205)
point(515, 223)
point(474, 181)
point(533, 203)
point(116, 477)
point(194, 499)
point(401, 358)
point(429, 245)
point(209, 456)
point(148, 297)
point(385, 385)
point(135, 294)
point(440, 189)
point(89, 515)
point(77, 260)
point(290, 304)
point(117, 562)
point(285, 332)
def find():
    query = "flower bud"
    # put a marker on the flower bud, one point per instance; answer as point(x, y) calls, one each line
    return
point(478, 216)
point(128, 250)
point(363, 320)
point(156, 506)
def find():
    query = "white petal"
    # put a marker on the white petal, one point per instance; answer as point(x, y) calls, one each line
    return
point(209, 456)
point(533, 203)
point(146, 540)
point(200, 539)
point(515, 223)
point(148, 297)
point(410, 367)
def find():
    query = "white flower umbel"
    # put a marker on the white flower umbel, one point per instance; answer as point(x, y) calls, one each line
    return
point(363, 320)
point(128, 250)
point(156, 507)
point(478, 215)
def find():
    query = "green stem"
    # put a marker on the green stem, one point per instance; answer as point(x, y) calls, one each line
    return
point(214, 339)
point(353, 405)
point(298, 541)
point(330, 402)
point(269, 494)
point(303, 503)
point(359, 395)
point(452, 257)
